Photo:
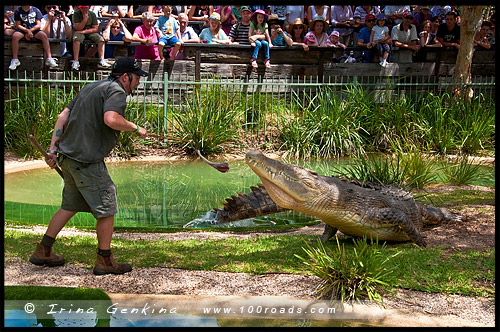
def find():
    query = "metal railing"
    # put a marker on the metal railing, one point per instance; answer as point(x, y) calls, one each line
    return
point(263, 99)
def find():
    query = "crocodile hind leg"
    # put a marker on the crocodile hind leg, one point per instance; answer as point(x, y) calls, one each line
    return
point(328, 233)
point(396, 217)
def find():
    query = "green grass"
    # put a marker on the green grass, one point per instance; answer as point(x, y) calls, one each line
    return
point(431, 270)
point(18, 293)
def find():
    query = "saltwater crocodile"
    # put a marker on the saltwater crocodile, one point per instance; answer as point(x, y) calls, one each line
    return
point(357, 209)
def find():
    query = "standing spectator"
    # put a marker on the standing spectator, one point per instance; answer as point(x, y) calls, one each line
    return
point(364, 37)
point(27, 24)
point(214, 33)
point(395, 14)
point(359, 16)
point(200, 14)
point(423, 15)
point(85, 132)
point(136, 12)
point(235, 14)
point(177, 10)
point(278, 36)
point(379, 38)
point(427, 37)
point(448, 33)
point(317, 36)
point(56, 25)
point(115, 31)
point(259, 37)
point(146, 34)
point(319, 11)
point(239, 31)
point(298, 31)
point(491, 32)
point(168, 30)
point(405, 38)
point(85, 26)
point(281, 12)
point(225, 18)
point(341, 18)
point(292, 13)
point(481, 37)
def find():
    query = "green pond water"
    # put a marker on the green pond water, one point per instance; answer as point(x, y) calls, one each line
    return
point(149, 193)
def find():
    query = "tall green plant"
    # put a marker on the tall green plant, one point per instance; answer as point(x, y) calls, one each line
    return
point(463, 172)
point(34, 111)
point(207, 121)
point(350, 275)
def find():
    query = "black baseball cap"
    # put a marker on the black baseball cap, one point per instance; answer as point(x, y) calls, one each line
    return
point(127, 65)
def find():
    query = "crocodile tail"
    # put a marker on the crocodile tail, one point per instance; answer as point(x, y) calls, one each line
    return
point(433, 215)
point(243, 206)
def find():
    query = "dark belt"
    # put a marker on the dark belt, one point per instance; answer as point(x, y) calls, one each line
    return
point(61, 157)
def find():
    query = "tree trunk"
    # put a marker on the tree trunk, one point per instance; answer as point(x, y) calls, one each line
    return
point(471, 21)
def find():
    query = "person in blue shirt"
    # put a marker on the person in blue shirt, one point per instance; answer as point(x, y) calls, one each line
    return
point(364, 37)
point(168, 28)
point(115, 31)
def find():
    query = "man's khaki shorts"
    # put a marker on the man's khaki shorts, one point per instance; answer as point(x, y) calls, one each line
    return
point(95, 37)
point(88, 188)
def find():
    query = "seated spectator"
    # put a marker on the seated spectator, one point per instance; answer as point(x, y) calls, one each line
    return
point(427, 38)
point(341, 18)
point(481, 41)
point(319, 11)
point(146, 34)
point(214, 33)
point(27, 25)
point(56, 25)
point(239, 31)
point(364, 38)
point(85, 26)
point(279, 37)
point(292, 13)
point(317, 36)
point(235, 14)
point(334, 41)
point(491, 32)
point(298, 31)
point(225, 18)
point(258, 36)
point(157, 11)
point(188, 35)
point(423, 15)
point(103, 21)
point(380, 39)
point(405, 38)
point(167, 28)
point(115, 31)
point(395, 14)
point(436, 22)
point(200, 14)
point(448, 33)
point(359, 16)
point(8, 20)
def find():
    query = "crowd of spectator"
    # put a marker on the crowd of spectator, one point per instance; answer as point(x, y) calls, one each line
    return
point(383, 33)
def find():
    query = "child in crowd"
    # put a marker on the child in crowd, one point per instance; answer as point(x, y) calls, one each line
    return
point(168, 28)
point(379, 39)
point(259, 37)
point(214, 34)
point(334, 41)
point(28, 25)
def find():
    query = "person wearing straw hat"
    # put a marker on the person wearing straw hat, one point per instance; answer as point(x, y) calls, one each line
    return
point(317, 36)
point(259, 37)
point(298, 32)
point(214, 34)
point(278, 36)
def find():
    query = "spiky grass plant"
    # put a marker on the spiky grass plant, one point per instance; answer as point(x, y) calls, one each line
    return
point(461, 171)
point(350, 275)
point(208, 121)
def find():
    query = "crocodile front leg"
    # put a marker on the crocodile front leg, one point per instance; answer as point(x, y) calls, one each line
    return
point(328, 233)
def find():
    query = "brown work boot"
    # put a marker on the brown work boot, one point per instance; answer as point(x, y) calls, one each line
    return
point(44, 256)
point(107, 265)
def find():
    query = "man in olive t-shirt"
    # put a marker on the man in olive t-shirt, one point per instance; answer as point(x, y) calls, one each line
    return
point(85, 132)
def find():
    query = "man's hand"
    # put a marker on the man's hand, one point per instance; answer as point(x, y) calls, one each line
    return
point(142, 132)
point(52, 160)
